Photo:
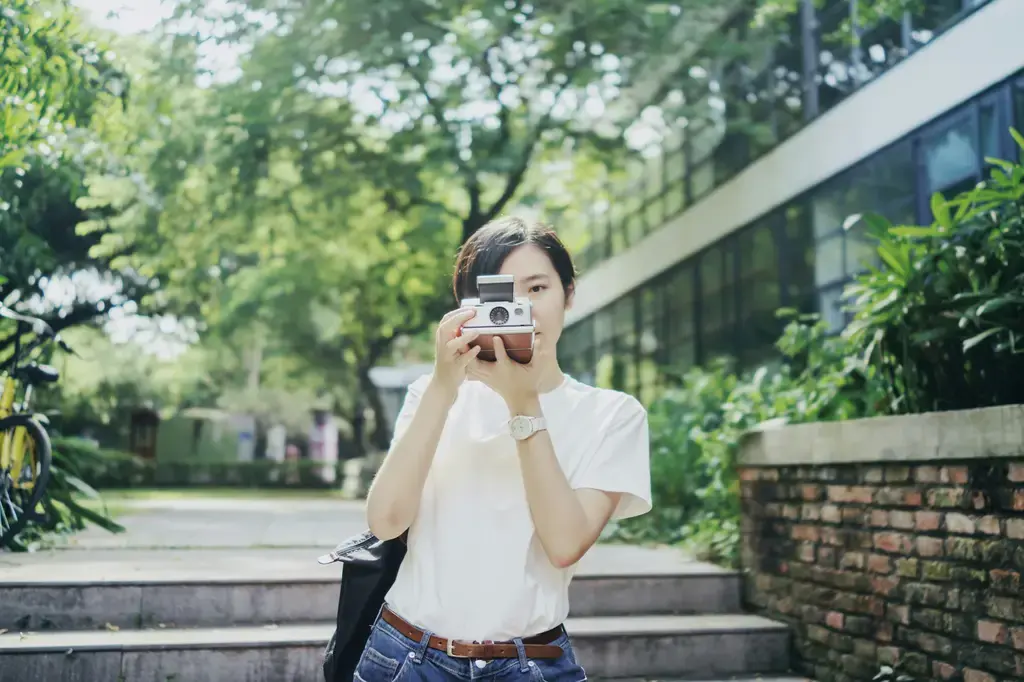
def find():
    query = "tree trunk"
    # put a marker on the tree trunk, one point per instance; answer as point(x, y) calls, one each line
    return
point(380, 436)
point(470, 225)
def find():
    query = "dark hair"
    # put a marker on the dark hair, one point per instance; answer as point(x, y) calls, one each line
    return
point(485, 251)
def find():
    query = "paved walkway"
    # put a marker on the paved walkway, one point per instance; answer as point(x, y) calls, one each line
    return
point(229, 522)
point(211, 539)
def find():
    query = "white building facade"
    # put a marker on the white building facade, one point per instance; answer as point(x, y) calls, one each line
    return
point(725, 228)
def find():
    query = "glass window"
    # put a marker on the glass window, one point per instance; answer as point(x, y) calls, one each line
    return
point(799, 258)
point(892, 176)
point(831, 308)
point(861, 250)
point(1018, 105)
point(950, 156)
point(828, 264)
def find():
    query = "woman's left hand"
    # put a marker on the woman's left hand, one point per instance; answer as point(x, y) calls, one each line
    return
point(516, 383)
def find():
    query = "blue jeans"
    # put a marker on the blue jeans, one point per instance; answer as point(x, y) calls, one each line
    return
point(390, 656)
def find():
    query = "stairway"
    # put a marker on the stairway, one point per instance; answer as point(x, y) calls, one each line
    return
point(218, 618)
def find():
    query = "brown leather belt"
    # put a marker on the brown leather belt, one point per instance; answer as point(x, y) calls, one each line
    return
point(537, 646)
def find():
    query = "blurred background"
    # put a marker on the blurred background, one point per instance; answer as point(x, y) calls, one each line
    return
point(243, 214)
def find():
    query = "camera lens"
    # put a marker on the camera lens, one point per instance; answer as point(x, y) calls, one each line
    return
point(519, 311)
point(499, 315)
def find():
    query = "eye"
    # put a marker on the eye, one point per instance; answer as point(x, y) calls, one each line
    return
point(537, 288)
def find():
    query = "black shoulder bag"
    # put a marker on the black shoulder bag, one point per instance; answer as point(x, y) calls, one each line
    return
point(369, 567)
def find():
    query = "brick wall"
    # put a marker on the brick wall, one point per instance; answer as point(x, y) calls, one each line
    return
point(871, 563)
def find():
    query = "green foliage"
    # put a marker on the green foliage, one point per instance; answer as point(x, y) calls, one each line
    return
point(943, 317)
point(696, 430)
point(122, 472)
point(939, 325)
point(51, 76)
point(76, 465)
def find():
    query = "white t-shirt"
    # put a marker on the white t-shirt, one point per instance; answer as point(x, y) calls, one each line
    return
point(475, 569)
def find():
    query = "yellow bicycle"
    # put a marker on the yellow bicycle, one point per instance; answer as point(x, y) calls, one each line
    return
point(25, 452)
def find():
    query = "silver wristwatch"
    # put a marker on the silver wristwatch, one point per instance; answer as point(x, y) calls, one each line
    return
point(522, 427)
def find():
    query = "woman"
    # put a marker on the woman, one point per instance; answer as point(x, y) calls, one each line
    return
point(497, 523)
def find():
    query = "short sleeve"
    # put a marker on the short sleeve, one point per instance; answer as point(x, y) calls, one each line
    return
point(621, 461)
point(412, 400)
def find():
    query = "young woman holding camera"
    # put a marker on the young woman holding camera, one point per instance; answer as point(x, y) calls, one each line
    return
point(504, 475)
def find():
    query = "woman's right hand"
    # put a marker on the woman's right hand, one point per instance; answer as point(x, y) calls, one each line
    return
point(452, 353)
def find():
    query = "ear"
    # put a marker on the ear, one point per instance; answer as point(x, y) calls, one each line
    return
point(570, 296)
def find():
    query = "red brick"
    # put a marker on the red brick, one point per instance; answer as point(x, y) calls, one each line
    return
point(874, 475)
point(830, 536)
point(806, 552)
point(811, 512)
point(1016, 473)
point(928, 520)
point(830, 513)
point(897, 543)
point(748, 474)
point(989, 525)
point(884, 633)
point(903, 520)
point(959, 523)
point(851, 494)
point(945, 497)
point(943, 671)
point(929, 546)
point(991, 631)
point(888, 655)
point(879, 518)
point(1017, 636)
point(811, 493)
point(1018, 500)
point(852, 560)
point(806, 532)
point(884, 585)
point(1005, 581)
point(956, 475)
point(898, 614)
point(972, 675)
point(834, 620)
point(926, 474)
point(1015, 529)
point(913, 498)
point(879, 563)
point(791, 511)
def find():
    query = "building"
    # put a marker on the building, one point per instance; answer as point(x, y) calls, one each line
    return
point(729, 225)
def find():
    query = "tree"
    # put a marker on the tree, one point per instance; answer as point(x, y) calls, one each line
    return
point(55, 81)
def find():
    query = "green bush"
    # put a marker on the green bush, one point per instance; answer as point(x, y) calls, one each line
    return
point(64, 510)
point(943, 317)
point(696, 429)
point(939, 325)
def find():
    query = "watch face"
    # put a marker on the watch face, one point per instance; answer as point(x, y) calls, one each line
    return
point(520, 427)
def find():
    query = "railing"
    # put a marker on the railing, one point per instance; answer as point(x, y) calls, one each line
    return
point(808, 72)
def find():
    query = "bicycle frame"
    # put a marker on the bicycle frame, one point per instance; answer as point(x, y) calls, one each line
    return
point(12, 447)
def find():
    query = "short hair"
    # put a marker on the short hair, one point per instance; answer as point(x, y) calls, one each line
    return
point(486, 250)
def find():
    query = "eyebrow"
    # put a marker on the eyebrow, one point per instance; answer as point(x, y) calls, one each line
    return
point(535, 278)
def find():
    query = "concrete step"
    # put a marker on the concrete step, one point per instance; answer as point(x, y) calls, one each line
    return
point(214, 592)
point(639, 647)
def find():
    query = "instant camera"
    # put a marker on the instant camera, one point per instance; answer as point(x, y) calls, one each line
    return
point(500, 313)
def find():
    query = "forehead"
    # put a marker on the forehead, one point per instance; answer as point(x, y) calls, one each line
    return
point(526, 261)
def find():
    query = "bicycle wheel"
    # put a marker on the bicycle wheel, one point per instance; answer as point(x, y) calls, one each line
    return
point(19, 498)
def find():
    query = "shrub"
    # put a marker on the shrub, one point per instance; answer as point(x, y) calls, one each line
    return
point(943, 317)
point(64, 513)
point(696, 430)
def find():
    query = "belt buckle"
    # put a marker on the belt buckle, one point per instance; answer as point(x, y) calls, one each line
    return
point(449, 649)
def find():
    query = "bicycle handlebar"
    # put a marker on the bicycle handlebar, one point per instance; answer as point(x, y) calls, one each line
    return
point(44, 332)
